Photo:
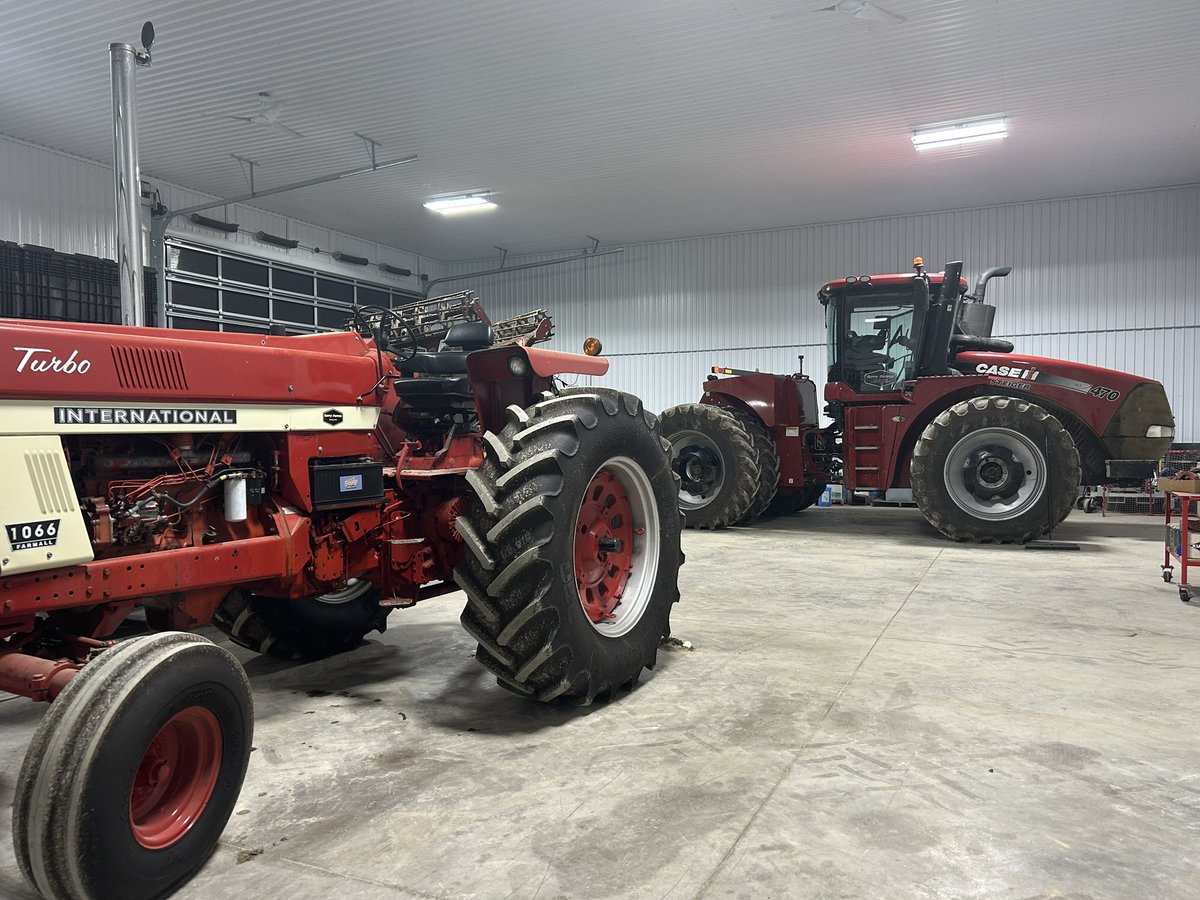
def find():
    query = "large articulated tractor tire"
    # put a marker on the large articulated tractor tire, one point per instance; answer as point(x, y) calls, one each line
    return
point(995, 470)
point(715, 457)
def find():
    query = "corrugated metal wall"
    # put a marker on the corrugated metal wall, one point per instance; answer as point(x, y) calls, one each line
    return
point(60, 201)
point(1108, 280)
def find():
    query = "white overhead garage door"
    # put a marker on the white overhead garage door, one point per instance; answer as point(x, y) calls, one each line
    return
point(215, 289)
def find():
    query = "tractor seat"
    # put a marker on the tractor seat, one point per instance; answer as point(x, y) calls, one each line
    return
point(466, 336)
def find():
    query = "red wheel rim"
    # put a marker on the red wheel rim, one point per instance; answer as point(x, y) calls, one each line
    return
point(175, 778)
point(604, 532)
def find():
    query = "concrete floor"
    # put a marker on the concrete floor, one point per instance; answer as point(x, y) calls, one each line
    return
point(868, 711)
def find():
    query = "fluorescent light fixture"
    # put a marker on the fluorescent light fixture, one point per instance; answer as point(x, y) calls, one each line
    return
point(459, 203)
point(953, 134)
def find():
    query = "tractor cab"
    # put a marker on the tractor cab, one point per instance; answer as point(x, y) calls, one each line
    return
point(884, 330)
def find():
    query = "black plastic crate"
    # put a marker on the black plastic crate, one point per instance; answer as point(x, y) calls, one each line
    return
point(41, 283)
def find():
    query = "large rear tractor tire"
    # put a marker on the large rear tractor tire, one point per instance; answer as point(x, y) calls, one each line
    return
point(981, 471)
point(768, 464)
point(714, 457)
point(134, 771)
point(572, 544)
point(306, 627)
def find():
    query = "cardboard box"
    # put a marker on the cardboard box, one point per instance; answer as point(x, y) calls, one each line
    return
point(1175, 538)
point(1179, 486)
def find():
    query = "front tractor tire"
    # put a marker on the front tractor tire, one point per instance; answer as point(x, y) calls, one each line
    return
point(134, 772)
point(995, 469)
point(573, 551)
point(716, 461)
point(303, 628)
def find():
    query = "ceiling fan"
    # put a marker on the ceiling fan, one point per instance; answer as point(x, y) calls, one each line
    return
point(268, 115)
point(859, 9)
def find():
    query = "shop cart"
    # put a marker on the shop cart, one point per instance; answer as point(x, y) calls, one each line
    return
point(1178, 539)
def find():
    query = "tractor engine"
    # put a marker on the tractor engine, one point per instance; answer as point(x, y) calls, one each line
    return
point(162, 493)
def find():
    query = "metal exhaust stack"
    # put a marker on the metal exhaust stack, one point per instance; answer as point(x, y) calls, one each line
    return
point(124, 60)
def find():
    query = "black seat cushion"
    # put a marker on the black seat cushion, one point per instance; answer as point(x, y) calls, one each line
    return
point(434, 392)
point(443, 362)
point(470, 336)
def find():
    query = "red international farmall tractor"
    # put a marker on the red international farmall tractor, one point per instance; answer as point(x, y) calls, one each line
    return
point(293, 491)
point(994, 444)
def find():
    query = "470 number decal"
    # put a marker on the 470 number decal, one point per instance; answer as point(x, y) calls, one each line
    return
point(28, 535)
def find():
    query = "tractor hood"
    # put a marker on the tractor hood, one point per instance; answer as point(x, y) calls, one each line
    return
point(1105, 384)
point(1130, 413)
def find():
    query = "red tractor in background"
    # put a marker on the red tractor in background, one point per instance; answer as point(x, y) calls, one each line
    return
point(993, 444)
point(293, 491)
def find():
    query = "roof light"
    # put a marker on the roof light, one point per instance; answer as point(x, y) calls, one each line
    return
point(459, 203)
point(953, 134)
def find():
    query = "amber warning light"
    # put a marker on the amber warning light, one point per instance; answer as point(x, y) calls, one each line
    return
point(592, 346)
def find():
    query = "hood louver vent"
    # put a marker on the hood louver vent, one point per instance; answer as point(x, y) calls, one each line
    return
point(149, 368)
point(53, 493)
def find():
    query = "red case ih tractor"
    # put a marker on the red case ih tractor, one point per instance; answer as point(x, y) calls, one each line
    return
point(293, 491)
point(994, 444)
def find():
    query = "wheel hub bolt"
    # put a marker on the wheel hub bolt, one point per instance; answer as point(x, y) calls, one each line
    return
point(609, 545)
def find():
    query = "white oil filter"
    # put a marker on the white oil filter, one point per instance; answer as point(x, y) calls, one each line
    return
point(235, 498)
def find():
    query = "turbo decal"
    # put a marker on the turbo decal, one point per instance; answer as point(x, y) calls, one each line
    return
point(32, 361)
point(131, 415)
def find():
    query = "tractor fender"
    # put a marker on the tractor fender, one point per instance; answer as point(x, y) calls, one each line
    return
point(546, 363)
point(773, 399)
point(729, 401)
point(514, 375)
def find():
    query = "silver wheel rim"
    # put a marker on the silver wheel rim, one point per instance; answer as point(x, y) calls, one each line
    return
point(691, 451)
point(639, 589)
point(354, 589)
point(989, 458)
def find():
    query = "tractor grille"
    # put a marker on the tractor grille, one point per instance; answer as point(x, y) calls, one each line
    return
point(149, 368)
point(50, 488)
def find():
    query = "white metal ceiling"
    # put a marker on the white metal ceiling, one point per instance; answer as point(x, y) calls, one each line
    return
point(625, 119)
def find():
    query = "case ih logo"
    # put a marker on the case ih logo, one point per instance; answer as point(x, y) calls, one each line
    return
point(29, 535)
point(333, 416)
point(1008, 371)
point(42, 359)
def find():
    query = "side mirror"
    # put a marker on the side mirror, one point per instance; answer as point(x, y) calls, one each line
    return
point(147, 35)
